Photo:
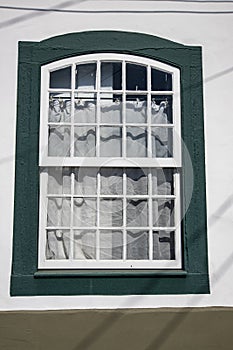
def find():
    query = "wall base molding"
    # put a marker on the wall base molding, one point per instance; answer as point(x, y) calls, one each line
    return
point(137, 329)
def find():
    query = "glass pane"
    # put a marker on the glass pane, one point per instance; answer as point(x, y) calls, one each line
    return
point(58, 245)
point(163, 212)
point(136, 77)
point(84, 108)
point(59, 141)
point(163, 245)
point(85, 181)
point(86, 76)
point(110, 141)
point(111, 75)
point(111, 244)
point(111, 212)
point(111, 181)
point(85, 141)
point(136, 141)
point(60, 79)
point(137, 245)
point(136, 181)
point(162, 181)
point(136, 109)
point(160, 81)
point(84, 212)
point(161, 110)
point(111, 108)
point(59, 108)
point(58, 213)
point(137, 212)
point(161, 138)
point(59, 180)
point(84, 244)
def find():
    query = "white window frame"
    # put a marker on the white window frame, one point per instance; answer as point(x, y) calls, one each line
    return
point(123, 162)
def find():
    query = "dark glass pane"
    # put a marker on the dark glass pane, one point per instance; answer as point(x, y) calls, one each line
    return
point(60, 79)
point(86, 76)
point(136, 78)
point(161, 81)
point(111, 76)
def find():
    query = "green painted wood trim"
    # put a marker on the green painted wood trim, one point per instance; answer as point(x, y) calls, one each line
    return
point(110, 285)
point(25, 278)
point(107, 273)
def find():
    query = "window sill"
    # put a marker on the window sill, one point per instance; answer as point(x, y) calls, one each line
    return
point(109, 273)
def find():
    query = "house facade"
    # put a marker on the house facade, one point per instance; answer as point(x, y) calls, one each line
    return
point(116, 175)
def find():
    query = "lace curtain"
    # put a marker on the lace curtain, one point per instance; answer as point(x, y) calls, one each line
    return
point(110, 141)
point(76, 208)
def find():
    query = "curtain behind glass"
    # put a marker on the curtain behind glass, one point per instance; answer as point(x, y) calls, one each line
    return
point(110, 214)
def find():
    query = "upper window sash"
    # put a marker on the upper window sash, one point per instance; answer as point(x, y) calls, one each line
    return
point(123, 160)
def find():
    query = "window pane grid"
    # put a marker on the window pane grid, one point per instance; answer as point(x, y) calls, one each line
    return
point(128, 229)
point(151, 132)
point(127, 133)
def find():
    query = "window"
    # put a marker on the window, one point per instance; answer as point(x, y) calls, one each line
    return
point(101, 172)
point(109, 180)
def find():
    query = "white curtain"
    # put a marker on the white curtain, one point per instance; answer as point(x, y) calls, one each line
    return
point(110, 214)
point(110, 210)
point(59, 135)
point(110, 140)
point(161, 136)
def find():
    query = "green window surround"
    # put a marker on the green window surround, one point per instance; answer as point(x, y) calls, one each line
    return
point(26, 278)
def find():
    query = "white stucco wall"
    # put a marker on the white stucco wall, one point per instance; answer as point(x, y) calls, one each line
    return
point(214, 33)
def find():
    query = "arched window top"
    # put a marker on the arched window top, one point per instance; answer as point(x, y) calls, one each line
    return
point(148, 74)
point(126, 92)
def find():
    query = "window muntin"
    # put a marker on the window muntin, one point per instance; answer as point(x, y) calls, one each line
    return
point(97, 122)
point(84, 113)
